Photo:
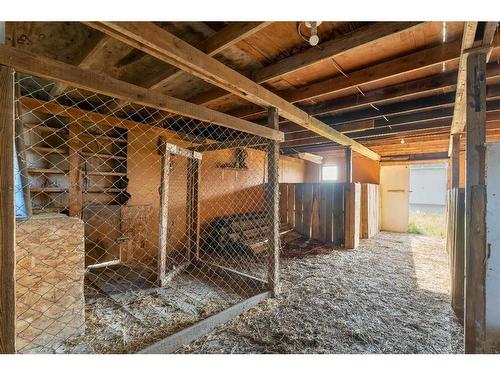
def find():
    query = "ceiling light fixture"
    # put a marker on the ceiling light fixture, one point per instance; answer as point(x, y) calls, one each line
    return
point(313, 35)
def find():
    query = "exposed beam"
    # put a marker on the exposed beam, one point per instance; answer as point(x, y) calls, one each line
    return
point(160, 44)
point(329, 49)
point(37, 65)
point(85, 63)
point(221, 40)
point(399, 66)
point(459, 111)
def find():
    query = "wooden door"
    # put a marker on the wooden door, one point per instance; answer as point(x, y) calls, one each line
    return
point(394, 188)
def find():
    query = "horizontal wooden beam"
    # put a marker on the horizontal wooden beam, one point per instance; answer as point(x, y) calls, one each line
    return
point(332, 48)
point(235, 143)
point(316, 159)
point(158, 43)
point(399, 66)
point(44, 67)
point(221, 40)
point(327, 50)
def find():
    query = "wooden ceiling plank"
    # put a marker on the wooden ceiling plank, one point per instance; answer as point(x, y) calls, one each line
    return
point(157, 42)
point(332, 48)
point(86, 61)
point(71, 75)
point(327, 50)
point(221, 40)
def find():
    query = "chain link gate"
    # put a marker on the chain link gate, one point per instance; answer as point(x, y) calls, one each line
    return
point(132, 223)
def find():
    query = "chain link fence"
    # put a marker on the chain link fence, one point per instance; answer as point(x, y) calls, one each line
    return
point(132, 223)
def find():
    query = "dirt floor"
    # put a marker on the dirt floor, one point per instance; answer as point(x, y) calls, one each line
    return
point(389, 296)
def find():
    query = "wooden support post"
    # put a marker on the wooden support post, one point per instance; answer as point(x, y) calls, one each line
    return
point(348, 165)
point(7, 214)
point(455, 161)
point(163, 232)
point(75, 196)
point(475, 245)
point(193, 208)
point(352, 216)
point(274, 206)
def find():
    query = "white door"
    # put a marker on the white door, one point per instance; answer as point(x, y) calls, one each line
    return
point(394, 183)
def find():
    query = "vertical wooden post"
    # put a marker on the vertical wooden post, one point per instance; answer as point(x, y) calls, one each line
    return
point(475, 248)
point(455, 161)
point(274, 206)
point(348, 165)
point(75, 196)
point(193, 208)
point(163, 231)
point(7, 214)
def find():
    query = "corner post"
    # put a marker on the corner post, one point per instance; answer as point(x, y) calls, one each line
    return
point(163, 230)
point(274, 206)
point(7, 214)
point(475, 201)
point(455, 161)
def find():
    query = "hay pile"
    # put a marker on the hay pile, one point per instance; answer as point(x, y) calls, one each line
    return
point(389, 296)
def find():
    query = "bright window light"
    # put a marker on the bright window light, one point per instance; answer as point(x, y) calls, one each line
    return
point(330, 173)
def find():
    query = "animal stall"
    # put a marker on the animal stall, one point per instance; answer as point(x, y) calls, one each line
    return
point(138, 223)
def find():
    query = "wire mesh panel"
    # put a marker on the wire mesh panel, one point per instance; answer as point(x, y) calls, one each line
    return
point(132, 223)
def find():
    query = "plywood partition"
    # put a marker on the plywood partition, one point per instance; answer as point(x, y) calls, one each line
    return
point(370, 208)
point(352, 215)
point(315, 210)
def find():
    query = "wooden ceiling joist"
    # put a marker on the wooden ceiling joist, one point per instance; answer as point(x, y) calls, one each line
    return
point(221, 40)
point(327, 50)
point(402, 65)
point(71, 75)
point(155, 41)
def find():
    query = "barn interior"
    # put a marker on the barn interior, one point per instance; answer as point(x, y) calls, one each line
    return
point(162, 178)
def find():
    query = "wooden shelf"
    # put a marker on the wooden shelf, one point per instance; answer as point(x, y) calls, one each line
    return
point(234, 168)
point(46, 171)
point(103, 156)
point(61, 171)
point(47, 190)
point(100, 191)
point(47, 150)
point(95, 136)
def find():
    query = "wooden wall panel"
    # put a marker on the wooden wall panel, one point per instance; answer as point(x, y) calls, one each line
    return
point(370, 204)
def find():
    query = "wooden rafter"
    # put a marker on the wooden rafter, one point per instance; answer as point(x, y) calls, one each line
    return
point(84, 63)
point(327, 50)
point(160, 44)
point(37, 65)
point(424, 59)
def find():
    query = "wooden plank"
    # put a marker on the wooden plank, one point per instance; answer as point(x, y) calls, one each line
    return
point(291, 205)
point(348, 165)
point(458, 123)
point(327, 50)
point(163, 230)
point(283, 203)
point(338, 214)
point(401, 65)
point(157, 42)
point(273, 199)
point(7, 215)
point(307, 203)
point(200, 329)
point(364, 210)
point(193, 208)
point(221, 40)
point(455, 161)
point(31, 63)
point(84, 63)
point(298, 208)
point(235, 143)
point(322, 212)
point(330, 207)
point(352, 215)
point(315, 221)
point(179, 151)
point(75, 176)
point(332, 48)
point(475, 249)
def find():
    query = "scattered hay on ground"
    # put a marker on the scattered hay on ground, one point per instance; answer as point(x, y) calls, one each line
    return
point(389, 296)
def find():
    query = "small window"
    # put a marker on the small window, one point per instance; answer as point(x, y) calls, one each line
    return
point(330, 173)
